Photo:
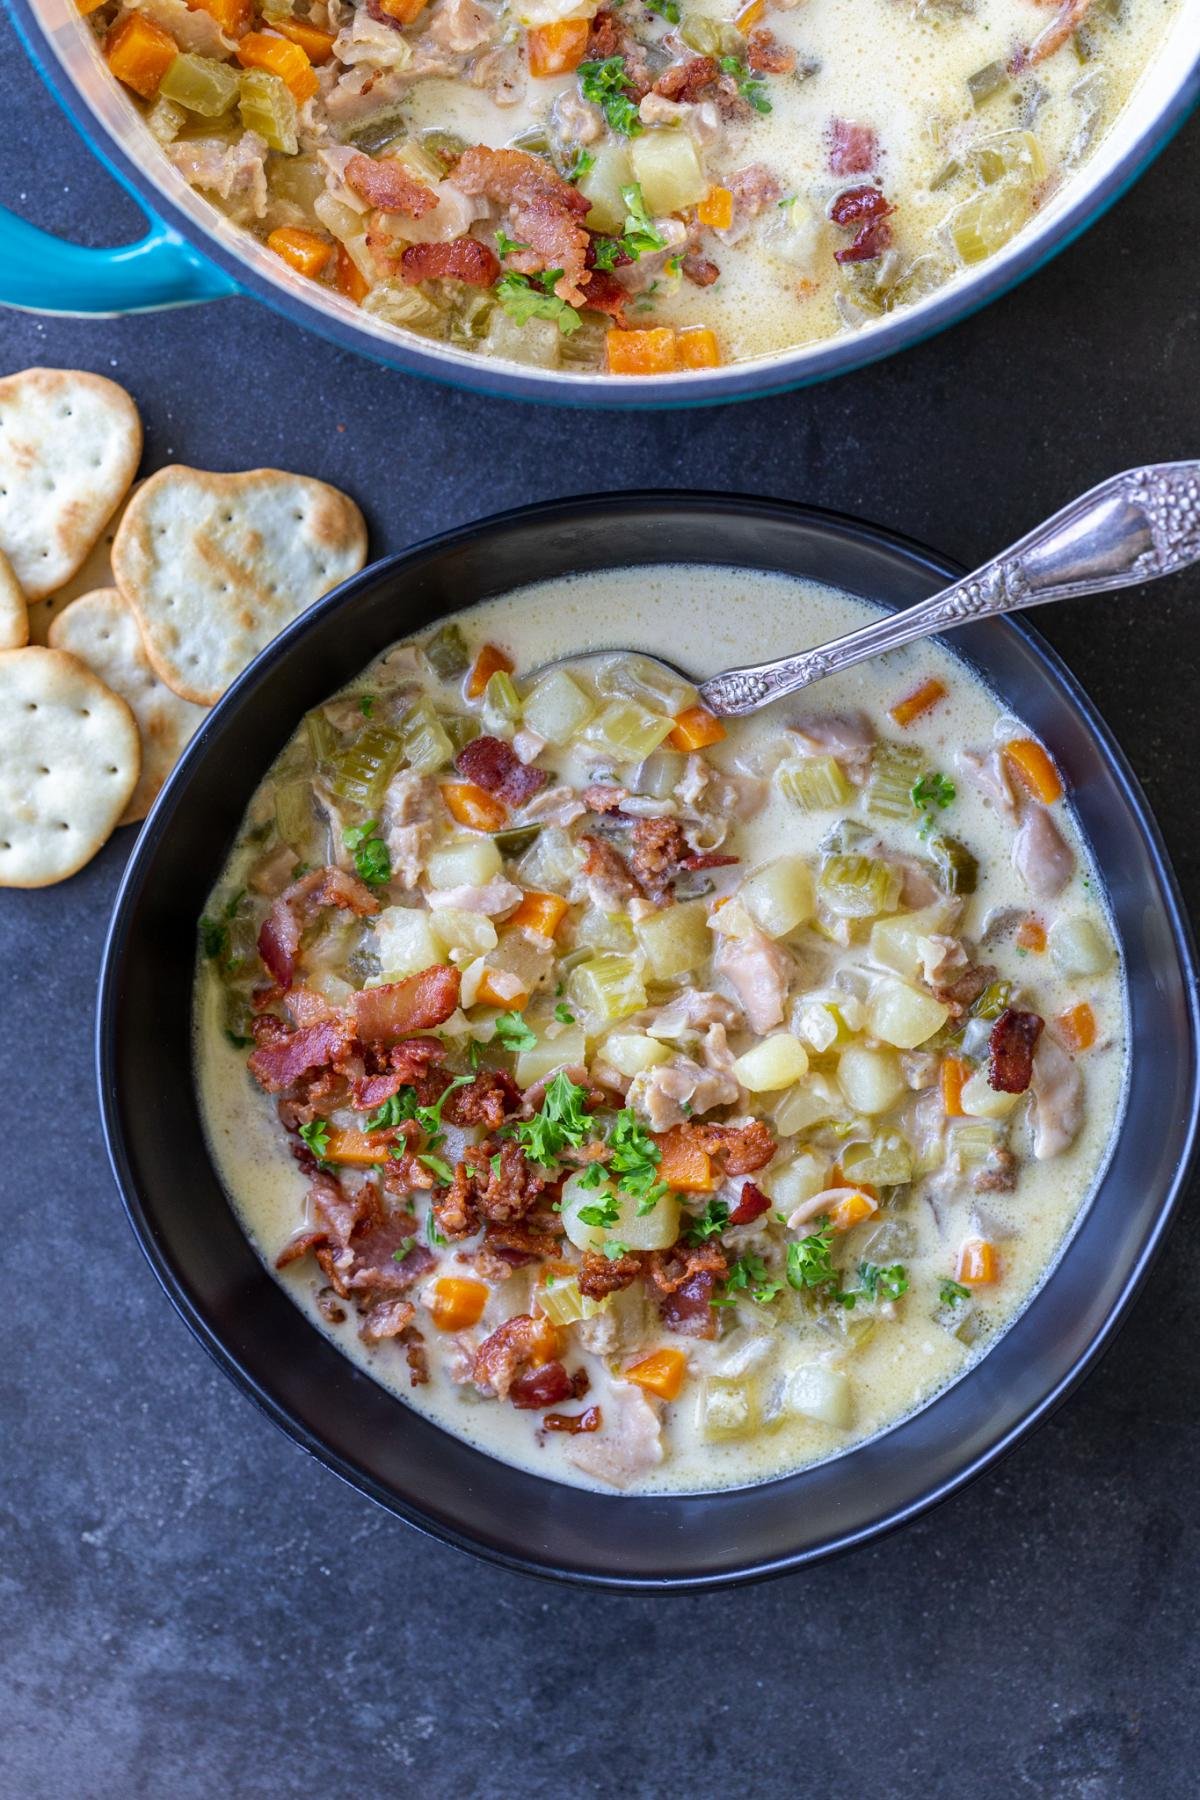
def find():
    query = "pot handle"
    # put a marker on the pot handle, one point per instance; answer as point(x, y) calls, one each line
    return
point(45, 274)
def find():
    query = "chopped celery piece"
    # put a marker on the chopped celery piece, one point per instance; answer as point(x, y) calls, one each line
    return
point(516, 841)
point(425, 743)
point(638, 678)
point(301, 179)
point(949, 171)
point(892, 1240)
point(660, 774)
point(959, 1317)
point(418, 161)
point(267, 107)
point(958, 870)
point(360, 773)
point(712, 37)
point(606, 988)
point(165, 120)
point(894, 769)
point(557, 707)
point(447, 652)
point(846, 835)
point(600, 930)
point(813, 783)
point(293, 812)
point(987, 82)
point(322, 738)
point(884, 1162)
point(993, 1000)
point(985, 222)
point(239, 1016)
point(626, 732)
point(376, 133)
point(200, 83)
point(859, 887)
point(1009, 153)
point(460, 728)
point(444, 146)
point(676, 940)
point(562, 1303)
point(501, 701)
point(396, 303)
point(973, 1144)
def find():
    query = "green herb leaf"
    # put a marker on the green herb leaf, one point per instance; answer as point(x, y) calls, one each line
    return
point(882, 1283)
point(604, 1213)
point(561, 1121)
point(584, 160)
point(748, 87)
point(809, 1262)
point(506, 245)
point(951, 1293)
point(432, 1233)
point(641, 238)
point(316, 1135)
point(523, 301)
point(666, 9)
point(564, 1015)
point(607, 85)
point(402, 1249)
point(366, 705)
point(607, 251)
point(932, 794)
point(615, 1248)
point(514, 1033)
point(214, 938)
point(372, 859)
point(710, 1223)
point(439, 1167)
point(750, 1274)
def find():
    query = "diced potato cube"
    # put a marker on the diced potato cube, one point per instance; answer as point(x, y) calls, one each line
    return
point(675, 940)
point(816, 1391)
point(668, 168)
point(732, 919)
point(801, 1107)
point(632, 1052)
point(602, 184)
point(896, 942)
point(903, 1015)
point(979, 1100)
point(779, 897)
point(794, 1182)
point(871, 1080)
point(776, 1062)
point(564, 1050)
point(405, 942)
point(557, 707)
point(600, 930)
point(468, 931)
point(653, 1230)
point(725, 1409)
point(472, 863)
point(1077, 947)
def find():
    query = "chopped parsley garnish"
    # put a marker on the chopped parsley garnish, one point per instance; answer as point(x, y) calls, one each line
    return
point(809, 1262)
point(438, 1166)
point(371, 857)
point(749, 1274)
point(474, 1053)
point(506, 245)
point(640, 236)
point(214, 938)
point(876, 1283)
point(607, 250)
point(584, 160)
point(403, 1105)
point(514, 1033)
point(239, 1043)
point(710, 1223)
point(747, 86)
point(634, 1159)
point(564, 1015)
point(494, 1164)
point(615, 1248)
point(432, 1233)
point(601, 1214)
point(402, 1249)
point(932, 794)
point(607, 85)
point(666, 9)
point(561, 1122)
point(366, 705)
point(952, 1292)
point(316, 1135)
point(522, 300)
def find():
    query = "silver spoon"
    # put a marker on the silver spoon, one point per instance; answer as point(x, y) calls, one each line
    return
point(1132, 528)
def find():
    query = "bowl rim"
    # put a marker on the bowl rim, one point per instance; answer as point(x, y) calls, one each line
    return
point(759, 378)
point(138, 873)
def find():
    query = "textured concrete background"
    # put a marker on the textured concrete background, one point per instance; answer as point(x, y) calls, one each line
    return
point(188, 1606)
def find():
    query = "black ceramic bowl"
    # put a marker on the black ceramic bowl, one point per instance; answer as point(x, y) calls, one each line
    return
point(355, 1427)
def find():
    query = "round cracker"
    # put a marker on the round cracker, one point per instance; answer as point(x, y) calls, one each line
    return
point(101, 631)
point(69, 448)
point(14, 613)
point(215, 566)
point(69, 761)
point(94, 572)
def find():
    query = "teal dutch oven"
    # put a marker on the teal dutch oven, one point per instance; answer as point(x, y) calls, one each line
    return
point(192, 253)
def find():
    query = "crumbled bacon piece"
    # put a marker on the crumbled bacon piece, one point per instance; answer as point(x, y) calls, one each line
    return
point(766, 55)
point(544, 1386)
point(961, 993)
point(741, 1148)
point(489, 1100)
point(853, 149)
point(1010, 1050)
point(605, 37)
point(279, 1062)
point(387, 185)
point(418, 1003)
point(507, 1189)
point(495, 767)
point(386, 1319)
point(416, 1357)
point(587, 1420)
point(999, 1173)
point(462, 259)
point(708, 859)
point(870, 242)
point(754, 188)
point(513, 1345)
point(701, 271)
point(546, 212)
point(604, 797)
point(853, 206)
point(455, 1207)
point(599, 1276)
point(751, 1205)
point(686, 1277)
point(606, 867)
point(522, 1242)
point(298, 906)
point(657, 847)
point(605, 294)
point(687, 82)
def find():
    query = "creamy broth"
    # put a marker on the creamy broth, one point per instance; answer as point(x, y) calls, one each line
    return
point(916, 1344)
point(833, 161)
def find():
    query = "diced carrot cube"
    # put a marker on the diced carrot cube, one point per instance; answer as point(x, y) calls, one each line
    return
point(921, 700)
point(660, 1373)
point(686, 1165)
point(642, 352)
point(88, 6)
point(839, 1179)
point(694, 729)
point(473, 807)
point(548, 1342)
point(1034, 769)
point(349, 277)
point(499, 987)
point(954, 1076)
point(233, 16)
point(355, 1149)
point(458, 1303)
point(403, 10)
point(1078, 1026)
point(139, 53)
point(316, 44)
point(259, 50)
point(978, 1263)
point(850, 1211)
point(558, 48)
point(1031, 935)
point(539, 912)
point(489, 662)
point(749, 16)
point(301, 250)
point(696, 348)
point(716, 209)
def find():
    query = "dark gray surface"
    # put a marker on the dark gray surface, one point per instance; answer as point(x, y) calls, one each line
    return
point(188, 1606)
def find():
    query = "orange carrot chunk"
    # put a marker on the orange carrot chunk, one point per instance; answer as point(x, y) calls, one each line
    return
point(316, 44)
point(851, 1210)
point(458, 1303)
point(1034, 769)
point(749, 16)
point(472, 806)
point(539, 912)
point(301, 250)
point(349, 277)
point(139, 53)
point(557, 49)
point(355, 1149)
point(489, 662)
point(642, 352)
point(954, 1078)
point(1031, 935)
point(685, 1165)
point(694, 729)
point(978, 1263)
point(716, 209)
point(405, 11)
point(1078, 1026)
point(696, 348)
point(920, 701)
point(498, 987)
point(233, 16)
point(660, 1373)
point(258, 50)
point(88, 6)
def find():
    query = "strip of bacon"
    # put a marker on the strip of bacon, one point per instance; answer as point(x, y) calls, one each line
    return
point(276, 1065)
point(546, 212)
point(1060, 29)
point(463, 259)
point(751, 1205)
point(418, 1003)
point(495, 766)
point(541, 1387)
point(387, 184)
point(296, 908)
point(587, 1420)
point(1010, 1050)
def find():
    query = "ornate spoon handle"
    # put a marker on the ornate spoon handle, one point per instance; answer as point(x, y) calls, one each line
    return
point(1137, 526)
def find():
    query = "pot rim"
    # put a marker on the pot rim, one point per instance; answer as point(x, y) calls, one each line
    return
point(1147, 1239)
point(803, 366)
